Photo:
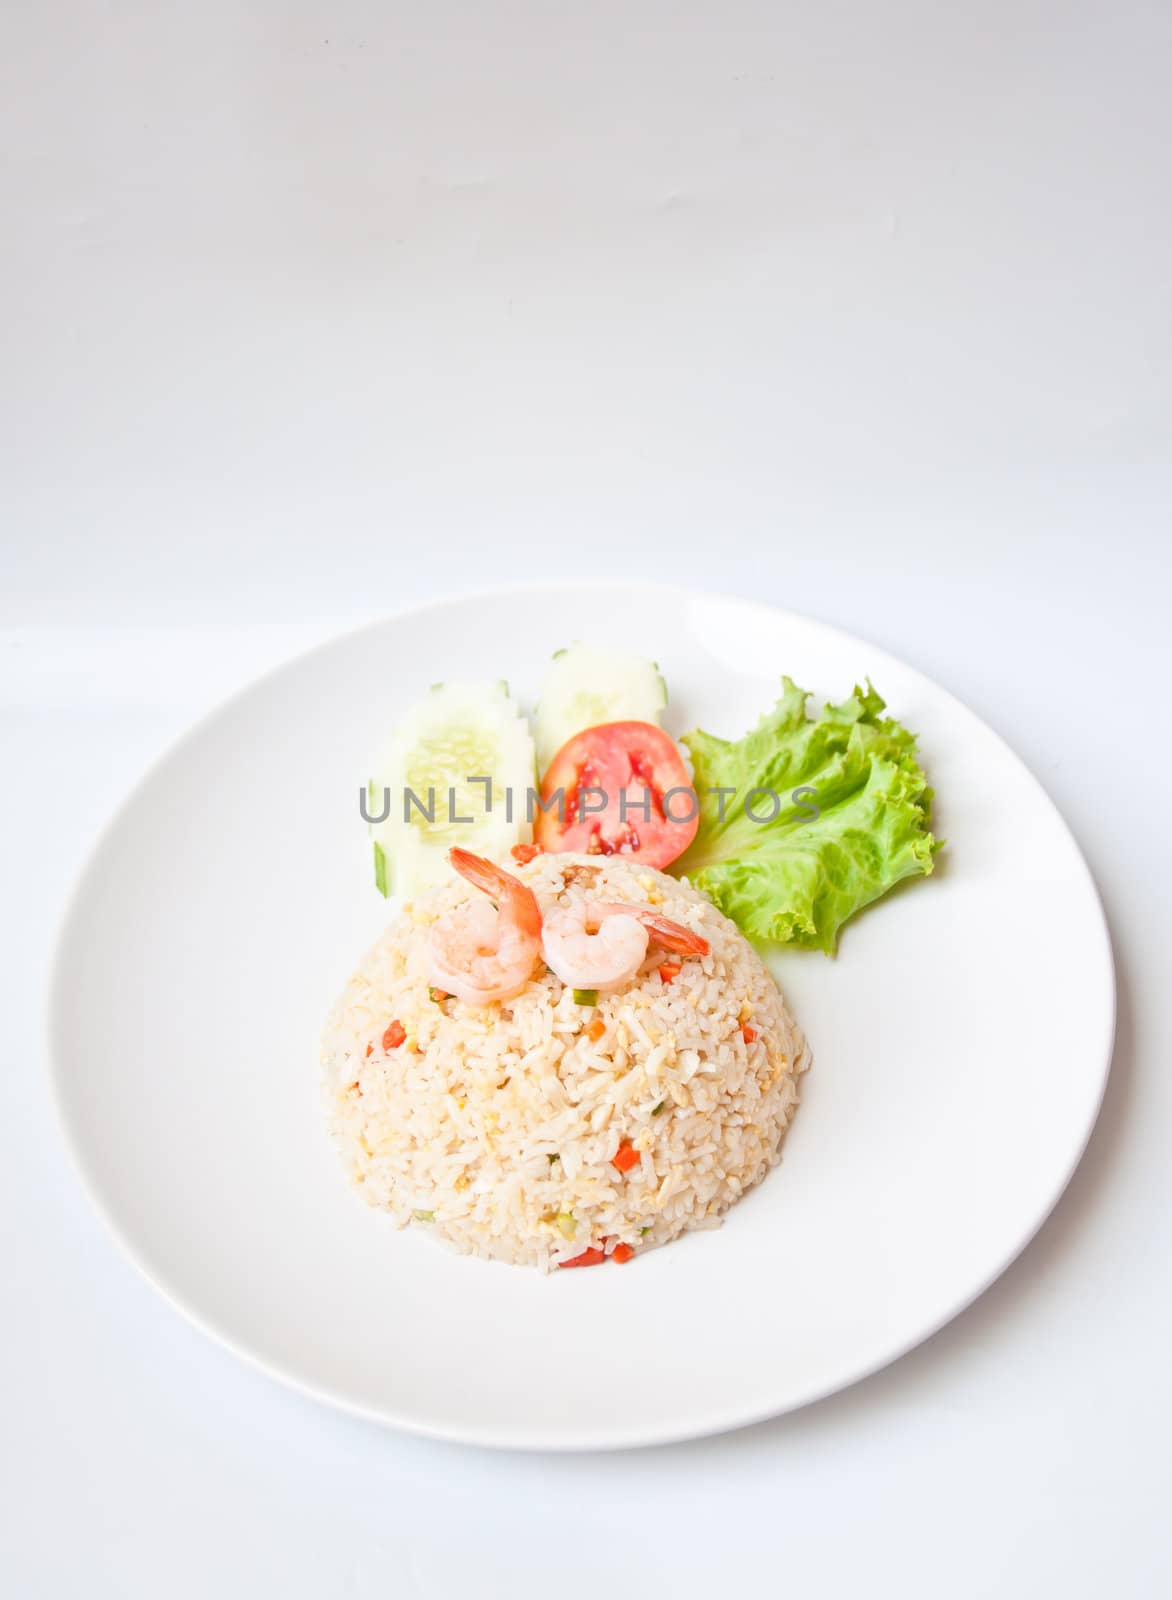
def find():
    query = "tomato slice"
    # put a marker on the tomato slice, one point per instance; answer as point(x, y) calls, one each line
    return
point(624, 790)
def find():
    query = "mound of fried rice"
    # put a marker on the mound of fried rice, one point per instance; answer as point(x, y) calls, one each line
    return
point(496, 1128)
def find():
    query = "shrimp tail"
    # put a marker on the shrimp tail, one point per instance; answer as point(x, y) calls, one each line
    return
point(501, 885)
point(671, 935)
point(479, 872)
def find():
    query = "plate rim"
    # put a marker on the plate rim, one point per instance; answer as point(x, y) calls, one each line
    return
point(525, 1438)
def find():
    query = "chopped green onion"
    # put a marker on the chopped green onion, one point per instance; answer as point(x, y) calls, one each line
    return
point(655, 1110)
point(585, 997)
point(554, 1158)
point(566, 1224)
point(642, 1231)
point(424, 1216)
point(380, 870)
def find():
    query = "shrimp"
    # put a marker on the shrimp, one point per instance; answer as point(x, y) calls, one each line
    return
point(592, 944)
point(481, 954)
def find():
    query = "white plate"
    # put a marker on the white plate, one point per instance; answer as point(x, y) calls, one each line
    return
point(961, 1044)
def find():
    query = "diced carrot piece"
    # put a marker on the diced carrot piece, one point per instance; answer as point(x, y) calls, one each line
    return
point(748, 1034)
point(596, 1030)
point(523, 853)
point(621, 1253)
point(394, 1035)
point(625, 1157)
point(669, 970)
point(370, 1049)
point(588, 1258)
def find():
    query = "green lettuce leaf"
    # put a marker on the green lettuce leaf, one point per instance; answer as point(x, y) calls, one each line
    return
point(796, 876)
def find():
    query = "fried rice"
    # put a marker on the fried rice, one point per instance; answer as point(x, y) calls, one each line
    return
point(497, 1127)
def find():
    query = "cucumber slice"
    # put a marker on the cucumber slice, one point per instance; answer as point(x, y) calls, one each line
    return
point(457, 732)
point(586, 686)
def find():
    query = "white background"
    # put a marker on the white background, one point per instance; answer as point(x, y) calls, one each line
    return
point(310, 313)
